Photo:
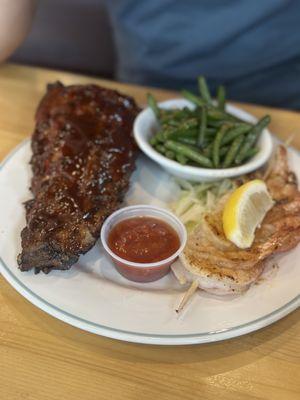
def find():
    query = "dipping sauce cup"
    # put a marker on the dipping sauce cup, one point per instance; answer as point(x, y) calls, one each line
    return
point(139, 271)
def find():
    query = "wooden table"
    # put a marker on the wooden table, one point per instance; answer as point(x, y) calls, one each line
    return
point(42, 358)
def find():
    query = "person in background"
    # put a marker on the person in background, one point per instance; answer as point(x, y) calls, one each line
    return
point(252, 47)
point(16, 17)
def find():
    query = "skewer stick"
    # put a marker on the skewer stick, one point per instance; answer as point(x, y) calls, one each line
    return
point(178, 271)
point(289, 140)
point(187, 296)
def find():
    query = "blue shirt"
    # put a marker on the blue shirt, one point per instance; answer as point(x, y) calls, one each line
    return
point(251, 46)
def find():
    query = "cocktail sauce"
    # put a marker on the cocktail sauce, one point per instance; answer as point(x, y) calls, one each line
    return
point(143, 240)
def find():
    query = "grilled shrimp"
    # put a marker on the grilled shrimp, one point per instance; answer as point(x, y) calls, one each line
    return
point(218, 265)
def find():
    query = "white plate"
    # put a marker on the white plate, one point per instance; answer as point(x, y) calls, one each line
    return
point(94, 297)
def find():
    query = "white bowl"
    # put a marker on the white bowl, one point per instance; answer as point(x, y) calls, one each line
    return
point(145, 126)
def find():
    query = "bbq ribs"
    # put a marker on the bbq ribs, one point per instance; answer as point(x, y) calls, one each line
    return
point(83, 156)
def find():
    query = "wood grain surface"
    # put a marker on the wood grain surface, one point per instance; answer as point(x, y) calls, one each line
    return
point(42, 358)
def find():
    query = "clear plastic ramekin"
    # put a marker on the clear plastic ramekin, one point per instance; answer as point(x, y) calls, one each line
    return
point(143, 272)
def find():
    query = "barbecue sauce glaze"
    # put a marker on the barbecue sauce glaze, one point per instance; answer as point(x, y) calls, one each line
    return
point(83, 155)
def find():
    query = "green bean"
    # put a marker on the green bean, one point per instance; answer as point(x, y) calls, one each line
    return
point(152, 141)
point(223, 138)
point(160, 148)
point(189, 153)
point(208, 150)
point(172, 113)
point(217, 144)
point(251, 138)
point(210, 131)
point(221, 95)
point(170, 154)
point(202, 127)
point(233, 150)
point(165, 112)
point(251, 153)
point(153, 105)
point(193, 142)
point(178, 133)
point(212, 124)
point(177, 115)
point(167, 132)
point(187, 111)
point(235, 132)
point(193, 98)
point(224, 150)
point(170, 123)
point(159, 137)
point(187, 140)
point(181, 159)
point(189, 123)
point(214, 114)
point(203, 90)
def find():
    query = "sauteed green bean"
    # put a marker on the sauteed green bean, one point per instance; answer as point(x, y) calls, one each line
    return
point(205, 135)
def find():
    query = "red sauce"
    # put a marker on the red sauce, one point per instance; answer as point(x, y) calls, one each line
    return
point(143, 240)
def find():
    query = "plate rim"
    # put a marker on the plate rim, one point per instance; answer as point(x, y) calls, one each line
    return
point(129, 336)
point(145, 338)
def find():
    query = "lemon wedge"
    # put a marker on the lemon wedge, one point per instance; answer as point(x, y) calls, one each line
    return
point(244, 211)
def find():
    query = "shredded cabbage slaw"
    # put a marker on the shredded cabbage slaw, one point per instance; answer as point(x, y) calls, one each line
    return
point(197, 199)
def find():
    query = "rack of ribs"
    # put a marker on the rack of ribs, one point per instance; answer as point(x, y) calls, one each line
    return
point(83, 156)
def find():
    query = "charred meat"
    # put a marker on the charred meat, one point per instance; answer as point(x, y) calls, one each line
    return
point(83, 156)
